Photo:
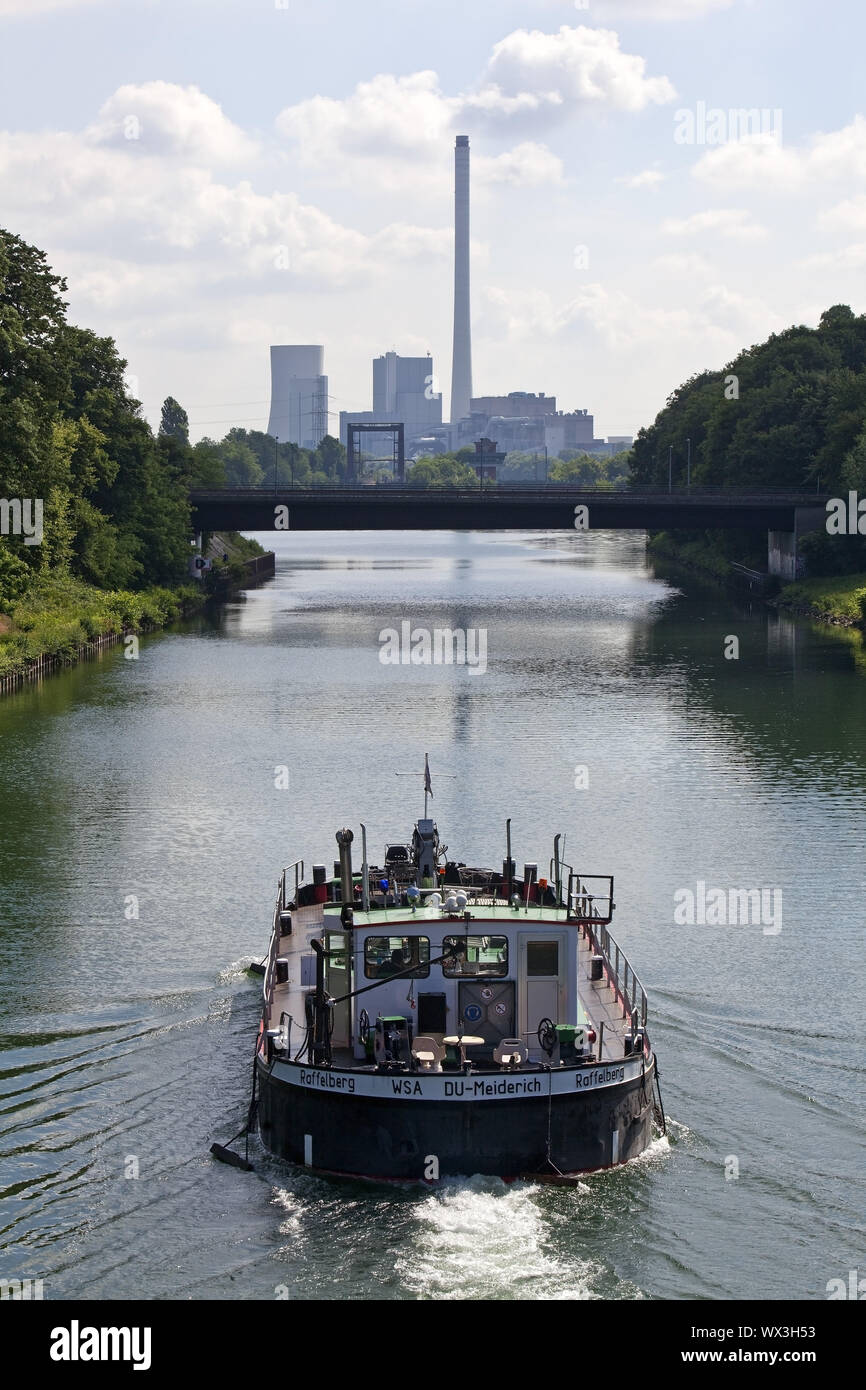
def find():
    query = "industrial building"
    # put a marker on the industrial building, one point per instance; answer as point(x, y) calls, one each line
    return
point(514, 405)
point(402, 394)
point(299, 395)
point(403, 389)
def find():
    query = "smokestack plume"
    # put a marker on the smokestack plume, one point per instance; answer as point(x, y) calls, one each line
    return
point(461, 363)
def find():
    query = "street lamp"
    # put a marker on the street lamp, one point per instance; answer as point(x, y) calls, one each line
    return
point(689, 466)
point(670, 466)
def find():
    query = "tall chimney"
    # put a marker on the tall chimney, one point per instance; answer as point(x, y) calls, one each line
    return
point(461, 364)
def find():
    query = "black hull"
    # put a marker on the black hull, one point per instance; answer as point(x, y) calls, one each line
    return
point(384, 1139)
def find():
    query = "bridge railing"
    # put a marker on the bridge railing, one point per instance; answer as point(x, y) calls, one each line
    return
point(504, 489)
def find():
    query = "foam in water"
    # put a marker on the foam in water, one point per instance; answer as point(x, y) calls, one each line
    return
point(482, 1239)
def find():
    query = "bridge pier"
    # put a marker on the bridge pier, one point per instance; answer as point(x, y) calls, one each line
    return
point(783, 558)
point(782, 555)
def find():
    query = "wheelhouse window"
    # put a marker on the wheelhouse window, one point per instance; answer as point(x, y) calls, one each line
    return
point(475, 955)
point(385, 956)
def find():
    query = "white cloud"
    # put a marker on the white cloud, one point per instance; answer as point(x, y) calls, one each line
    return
point(399, 124)
point(528, 165)
point(762, 162)
point(387, 118)
point(719, 319)
point(572, 67)
point(845, 258)
point(168, 212)
point(611, 316)
point(164, 118)
point(647, 178)
point(735, 223)
point(847, 215)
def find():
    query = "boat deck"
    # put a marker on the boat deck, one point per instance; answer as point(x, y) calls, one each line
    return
point(599, 1003)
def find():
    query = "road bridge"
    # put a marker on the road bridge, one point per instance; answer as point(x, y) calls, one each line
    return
point(783, 515)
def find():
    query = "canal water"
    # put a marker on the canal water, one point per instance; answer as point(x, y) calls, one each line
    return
point(143, 825)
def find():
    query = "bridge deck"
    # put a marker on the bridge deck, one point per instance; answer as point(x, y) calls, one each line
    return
point(503, 508)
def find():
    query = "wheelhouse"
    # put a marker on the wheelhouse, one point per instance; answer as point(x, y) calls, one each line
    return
point(484, 955)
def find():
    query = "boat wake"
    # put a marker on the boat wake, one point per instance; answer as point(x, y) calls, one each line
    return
point(481, 1239)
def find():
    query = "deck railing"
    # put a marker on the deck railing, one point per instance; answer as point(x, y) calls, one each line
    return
point(590, 897)
point(274, 948)
point(298, 867)
point(623, 980)
point(593, 911)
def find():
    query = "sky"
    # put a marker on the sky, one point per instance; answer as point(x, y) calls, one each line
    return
point(213, 176)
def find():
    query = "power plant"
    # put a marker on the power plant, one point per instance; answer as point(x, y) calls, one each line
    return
point(405, 394)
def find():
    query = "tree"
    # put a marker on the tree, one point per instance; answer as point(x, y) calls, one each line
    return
point(330, 458)
point(115, 512)
point(445, 471)
point(241, 465)
point(583, 469)
point(854, 466)
point(782, 414)
point(174, 423)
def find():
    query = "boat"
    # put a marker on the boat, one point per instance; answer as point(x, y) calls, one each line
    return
point(424, 1019)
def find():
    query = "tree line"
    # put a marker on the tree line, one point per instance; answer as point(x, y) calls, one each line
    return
point(788, 413)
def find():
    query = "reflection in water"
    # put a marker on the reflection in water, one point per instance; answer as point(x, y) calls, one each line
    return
point(153, 783)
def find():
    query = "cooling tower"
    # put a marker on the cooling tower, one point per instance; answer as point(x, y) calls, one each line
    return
point(299, 395)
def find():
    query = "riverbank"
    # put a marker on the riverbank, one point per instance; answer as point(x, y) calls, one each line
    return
point(61, 620)
point(839, 599)
point(692, 554)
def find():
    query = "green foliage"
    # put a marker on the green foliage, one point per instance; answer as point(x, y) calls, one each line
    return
point(854, 465)
point(826, 555)
point(116, 520)
point(789, 413)
point(223, 578)
point(174, 422)
point(696, 552)
point(791, 418)
point(250, 459)
point(115, 503)
point(238, 546)
point(15, 576)
point(591, 470)
point(58, 614)
point(841, 600)
point(444, 471)
point(522, 467)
